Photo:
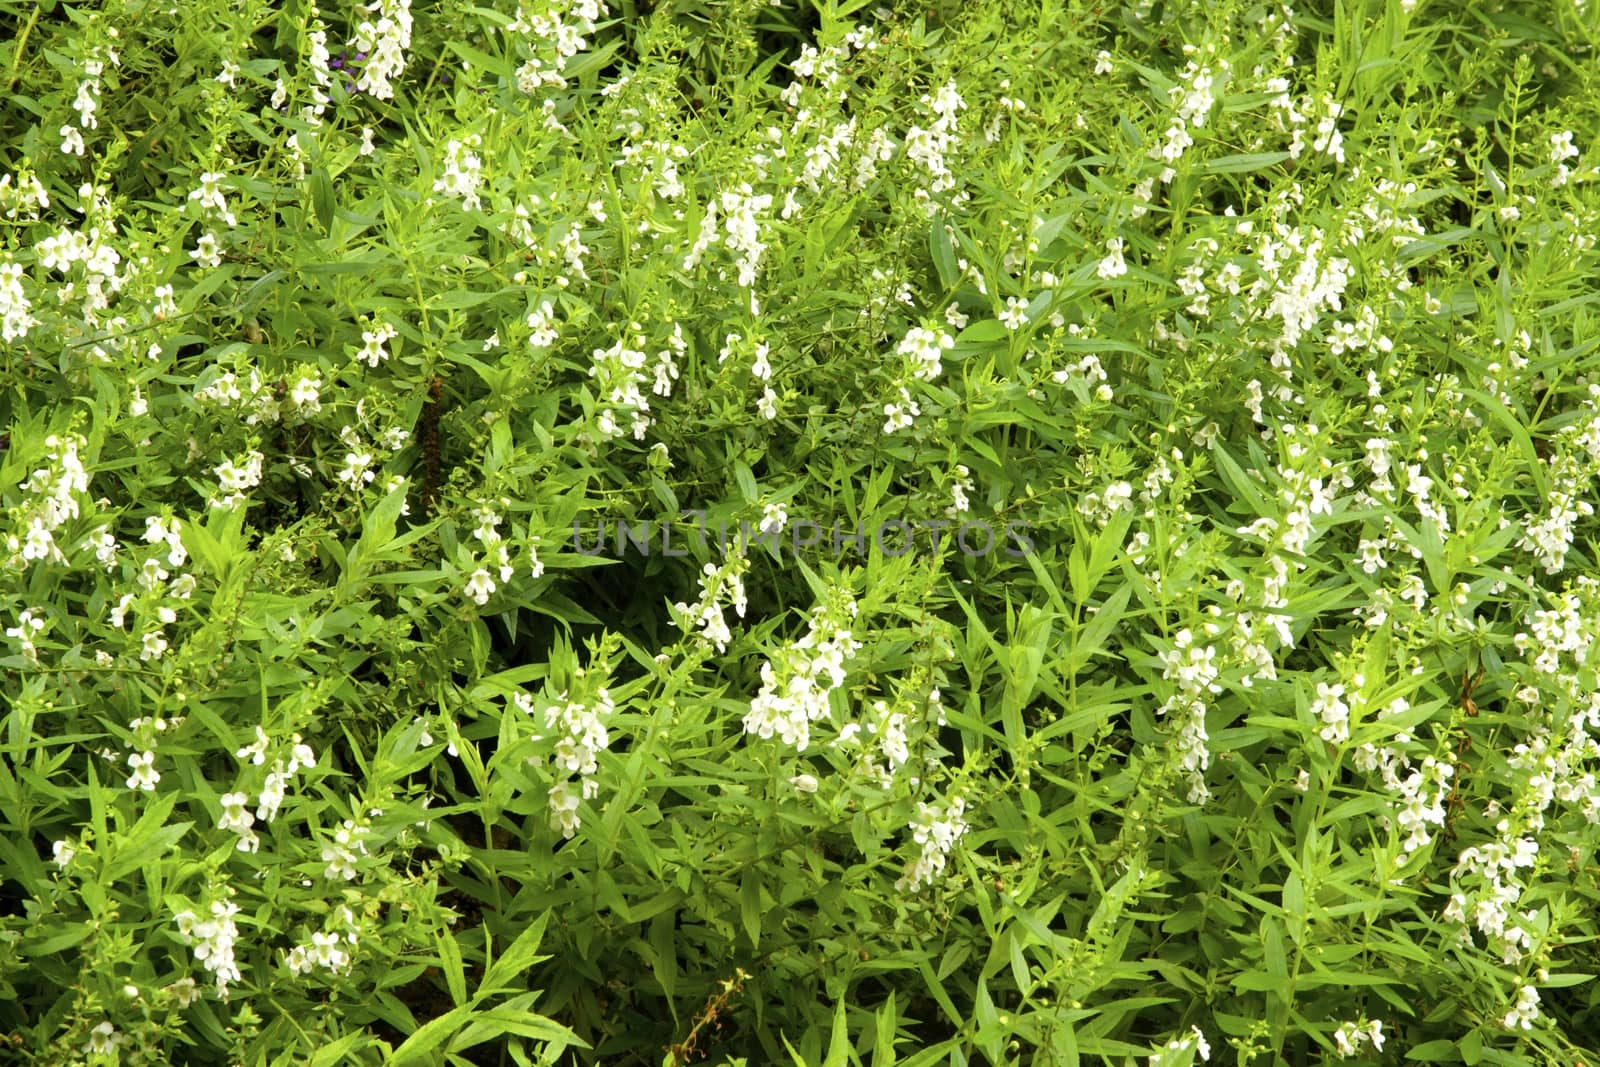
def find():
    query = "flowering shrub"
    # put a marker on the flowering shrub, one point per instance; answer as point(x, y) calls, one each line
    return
point(1096, 540)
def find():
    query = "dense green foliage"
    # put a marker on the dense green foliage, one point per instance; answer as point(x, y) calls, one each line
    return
point(739, 532)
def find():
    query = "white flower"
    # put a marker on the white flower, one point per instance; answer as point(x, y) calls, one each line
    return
point(1113, 265)
point(63, 853)
point(1525, 1011)
point(937, 830)
point(804, 783)
point(103, 1040)
point(900, 414)
point(357, 470)
point(479, 587)
point(272, 793)
point(372, 341)
point(1333, 711)
point(256, 751)
point(206, 251)
point(924, 349)
point(305, 395)
point(1102, 62)
point(1015, 316)
point(153, 645)
point(144, 774)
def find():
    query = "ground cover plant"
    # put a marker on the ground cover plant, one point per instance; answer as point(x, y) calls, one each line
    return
point(745, 532)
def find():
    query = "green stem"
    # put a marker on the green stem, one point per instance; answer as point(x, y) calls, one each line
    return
point(22, 42)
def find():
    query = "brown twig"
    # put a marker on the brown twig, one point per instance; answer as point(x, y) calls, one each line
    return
point(708, 1016)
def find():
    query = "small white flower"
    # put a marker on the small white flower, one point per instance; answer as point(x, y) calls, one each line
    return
point(479, 587)
point(153, 645)
point(1015, 316)
point(206, 251)
point(144, 774)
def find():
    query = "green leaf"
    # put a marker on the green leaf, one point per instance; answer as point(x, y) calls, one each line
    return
point(455, 974)
point(517, 958)
point(1242, 163)
point(1434, 1051)
point(944, 256)
point(839, 1041)
point(322, 198)
point(750, 904)
point(983, 332)
point(432, 1034)
point(664, 956)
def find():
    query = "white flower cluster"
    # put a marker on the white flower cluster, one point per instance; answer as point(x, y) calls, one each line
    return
point(885, 736)
point(1574, 461)
point(923, 348)
point(385, 43)
point(235, 815)
point(26, 198)
point(235, 476)
point(1295, 116)
point(463, 172)
point(1524, 1011)
point(1349, 1038)
point(620, 375)
point(666, 364)
point(930, 147)
point(348, 845)
point(53, 493)
point(1194, 670)
point(1561, 150)
point(1090, 372)
point(1100, 507)
point(265, 402)
point(936, 829)
point(580, 733)
point(29, 625)
point(818, 73)
point(481, 584)
point(1420, 789)
point(16, 312)
point(330, 948)
point(87, 101)
point(91, 248)
point(1297, 299)
point(797, 680)
point(734, 221)
point(718, 586)
point(1193, 98)
point(213, 938)
point(1334, 713)
point(213, 204)
point(655, 164)
point(559, 34)
point(544, 329)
